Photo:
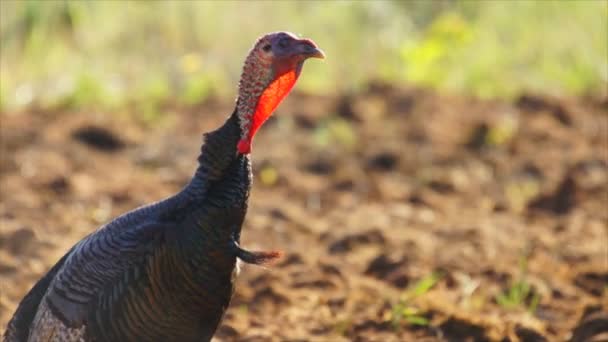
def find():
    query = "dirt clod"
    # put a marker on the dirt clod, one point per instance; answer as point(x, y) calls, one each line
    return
point(592, 282)
point(455, 329)
point(351, 241)
point(384, 161)
point(21, 241)
point(98, 138)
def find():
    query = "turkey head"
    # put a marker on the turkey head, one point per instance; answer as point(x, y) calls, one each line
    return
point(270, 71)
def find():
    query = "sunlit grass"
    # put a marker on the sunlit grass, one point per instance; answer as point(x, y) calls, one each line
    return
point(108, 54)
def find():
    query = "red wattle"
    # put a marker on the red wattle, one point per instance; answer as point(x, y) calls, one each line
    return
point(244, 146)
point(274, 93)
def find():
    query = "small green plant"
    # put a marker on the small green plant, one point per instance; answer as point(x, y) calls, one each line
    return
point(243, 309)
point(410, 314)
point(405, 310)
point(520, 293)
point(520, 192)
point(196, 89)
point(150, 97)
point(88, 90)
point(517, 295)
point(342, 327)
point(335, 131)
point(502, 132)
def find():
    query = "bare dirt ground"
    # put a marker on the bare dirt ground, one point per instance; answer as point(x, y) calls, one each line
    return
point(403, 214)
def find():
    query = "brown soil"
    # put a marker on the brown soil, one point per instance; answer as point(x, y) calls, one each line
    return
point(366, 195)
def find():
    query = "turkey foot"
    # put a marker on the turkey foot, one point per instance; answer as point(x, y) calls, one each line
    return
point(257, 258)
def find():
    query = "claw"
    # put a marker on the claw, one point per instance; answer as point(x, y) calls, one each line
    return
point(256, 258)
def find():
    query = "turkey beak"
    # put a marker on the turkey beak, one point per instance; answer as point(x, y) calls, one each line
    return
point(309, 49)
point(317, 53)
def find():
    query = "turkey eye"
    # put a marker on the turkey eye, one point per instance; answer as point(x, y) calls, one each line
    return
point(283, 43)
point(266, 47)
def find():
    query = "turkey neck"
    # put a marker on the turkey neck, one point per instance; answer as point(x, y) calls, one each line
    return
point(218, 151)
point(219, 189)
point(213, 205)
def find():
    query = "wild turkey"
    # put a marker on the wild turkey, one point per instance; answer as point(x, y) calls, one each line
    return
point(165, 272)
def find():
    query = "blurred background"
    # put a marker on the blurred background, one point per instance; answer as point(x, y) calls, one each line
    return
point(96, 53)
point(446, 167)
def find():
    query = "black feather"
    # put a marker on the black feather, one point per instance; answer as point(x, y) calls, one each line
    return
point(160, 272)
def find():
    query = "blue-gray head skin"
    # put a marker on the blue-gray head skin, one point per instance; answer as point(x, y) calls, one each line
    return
point(271, 69)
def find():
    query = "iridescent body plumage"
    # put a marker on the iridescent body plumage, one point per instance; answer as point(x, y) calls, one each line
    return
point(165, 272)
